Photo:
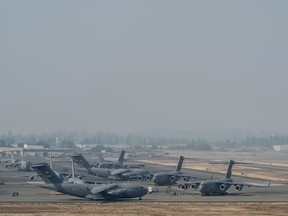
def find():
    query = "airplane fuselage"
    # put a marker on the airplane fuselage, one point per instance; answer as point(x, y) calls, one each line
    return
point(84, 190)
point(212, 187)
point(166, 179)
point(119, 165)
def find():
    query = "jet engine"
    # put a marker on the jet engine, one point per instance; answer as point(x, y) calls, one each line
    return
point(148, 177)
point(238, 187)
point(186, 178)
point(223, 187)
point(172, 178)
point(17, 165)
point(194, 186)
point(32, 177)
point(183, 186)
point(140, 178)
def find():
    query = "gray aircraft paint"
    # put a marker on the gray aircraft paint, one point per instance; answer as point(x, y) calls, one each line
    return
point(120, 163)
point(220, 186)
point(101, 191)
point(119, 174)
point(170, 178)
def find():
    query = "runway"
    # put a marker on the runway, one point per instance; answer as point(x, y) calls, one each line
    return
point(33, 200)
point(29, 192)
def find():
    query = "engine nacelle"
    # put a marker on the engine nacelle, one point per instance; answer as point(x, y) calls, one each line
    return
point(148, 177)
point(238, 187)
point(172, 178)
point(140, 178)
point(223, 187)
point(186, 178)
point(193, 186)
point(17, 165)
point(183, 186)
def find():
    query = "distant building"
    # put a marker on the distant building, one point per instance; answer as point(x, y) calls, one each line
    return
point(8, 151)
point(27, 146)
point(280, 147)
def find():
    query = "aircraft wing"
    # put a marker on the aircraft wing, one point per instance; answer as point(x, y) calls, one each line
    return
point(183, 176)
point(192, 185)
point(241, 184)
point(227, 162)
point(186, 178)
point(119, 172)
point(10, 165)
point(96, 191)
point(246, 184)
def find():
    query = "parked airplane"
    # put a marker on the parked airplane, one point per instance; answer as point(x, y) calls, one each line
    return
point(115, 174)
point(95, 192)
point(220, 186)
point(22, 164)
point(9, 161)
point(120, 163)
point(170, 178)
point(72, 178)
point(112, 164)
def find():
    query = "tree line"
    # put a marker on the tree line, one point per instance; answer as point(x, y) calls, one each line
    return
point(138, 142)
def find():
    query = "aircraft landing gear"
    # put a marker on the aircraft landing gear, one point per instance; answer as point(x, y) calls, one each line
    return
point(168, 189)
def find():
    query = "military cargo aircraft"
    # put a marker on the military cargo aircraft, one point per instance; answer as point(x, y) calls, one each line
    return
point(9, 161)
point(170, 178)
point(120, 163)
point(114, 174)
point(90, 191)
point(220, 186)
point(21, 165)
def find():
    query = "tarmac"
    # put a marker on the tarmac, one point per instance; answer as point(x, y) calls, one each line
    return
point(29, 191)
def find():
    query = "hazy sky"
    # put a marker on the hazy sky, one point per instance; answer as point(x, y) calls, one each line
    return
point(135, 65)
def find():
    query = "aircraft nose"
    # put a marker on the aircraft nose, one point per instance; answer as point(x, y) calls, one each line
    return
point(155, 178)
point(145, 190)
point(202, 188)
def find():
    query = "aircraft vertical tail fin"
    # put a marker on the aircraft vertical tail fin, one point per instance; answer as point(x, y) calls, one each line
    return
point(22, 155)
point(73, 168)
point(121, 157)
point(46, 173)
point(81, 161)
point(180, 162)
point(101, 158)
point(229, 170)
point(51, 161)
